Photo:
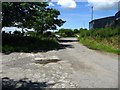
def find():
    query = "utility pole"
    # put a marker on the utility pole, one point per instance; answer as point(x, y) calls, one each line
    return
point(118, 6)
point(91, 13)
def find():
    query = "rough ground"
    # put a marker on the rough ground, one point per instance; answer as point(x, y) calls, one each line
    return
point(79, 67)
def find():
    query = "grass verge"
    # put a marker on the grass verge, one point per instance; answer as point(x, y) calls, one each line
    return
point(92, 44)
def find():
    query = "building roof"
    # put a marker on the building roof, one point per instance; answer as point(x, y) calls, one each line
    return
point(117, 14)
point(102, 18)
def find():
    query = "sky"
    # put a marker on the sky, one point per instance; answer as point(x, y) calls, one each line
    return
point(77, 13)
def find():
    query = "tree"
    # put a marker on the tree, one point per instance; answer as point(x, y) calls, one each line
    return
point(66, 32)
point(76, 31)
point(30, 15)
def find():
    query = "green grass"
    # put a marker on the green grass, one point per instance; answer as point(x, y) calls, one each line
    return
point(98, 46)
point(104, 39)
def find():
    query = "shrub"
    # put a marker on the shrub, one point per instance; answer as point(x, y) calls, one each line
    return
point(106, 38)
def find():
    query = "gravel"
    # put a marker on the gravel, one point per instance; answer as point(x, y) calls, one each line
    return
point(77, 67)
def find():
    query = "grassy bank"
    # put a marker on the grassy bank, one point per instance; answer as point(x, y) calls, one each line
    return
point(27, 44)
point(101, 39)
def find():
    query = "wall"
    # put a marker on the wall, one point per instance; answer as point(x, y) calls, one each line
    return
point(106, 22)
point(117, 15)
point(117, 19)
point(101, 23)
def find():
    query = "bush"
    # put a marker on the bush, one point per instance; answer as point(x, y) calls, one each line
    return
point(104, 38)
point(13, 43)
point(66, 33)
point(101, 33)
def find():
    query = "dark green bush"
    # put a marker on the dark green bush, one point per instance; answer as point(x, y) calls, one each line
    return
point(101, 33)
point(105, 39)
point(13, 43)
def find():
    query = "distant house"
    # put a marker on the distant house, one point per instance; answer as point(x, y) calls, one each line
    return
point(106, 22)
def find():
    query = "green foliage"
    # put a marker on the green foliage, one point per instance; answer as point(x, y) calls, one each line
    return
point(17, 33)
point(76, 31)
point(92, 44)
point(34, 15)
point(13, 43)
point(31, 33)
point(49, 35)
point(100, 33)
point(105, 39)
point(68, 32)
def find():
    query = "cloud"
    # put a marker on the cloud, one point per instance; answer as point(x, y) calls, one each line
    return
point(97, 4)
point(103, 4)
point(51, 4)
point(67, 3)
point(67, 0)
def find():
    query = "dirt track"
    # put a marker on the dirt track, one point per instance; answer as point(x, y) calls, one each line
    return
point(79, 67)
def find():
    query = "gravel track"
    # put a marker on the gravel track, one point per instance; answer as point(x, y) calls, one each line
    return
point(79, 67)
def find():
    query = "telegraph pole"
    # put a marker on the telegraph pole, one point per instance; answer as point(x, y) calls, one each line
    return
point(118, 6)
point(91, 13)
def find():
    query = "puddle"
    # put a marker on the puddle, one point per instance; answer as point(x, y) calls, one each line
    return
point(46, 60)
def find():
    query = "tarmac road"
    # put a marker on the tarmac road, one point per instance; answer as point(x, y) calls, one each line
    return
point(79, 67)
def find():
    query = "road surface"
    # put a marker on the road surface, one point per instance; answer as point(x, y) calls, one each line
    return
point(79, 67)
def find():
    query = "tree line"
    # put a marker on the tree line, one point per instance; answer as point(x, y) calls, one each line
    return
point(69, 32)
